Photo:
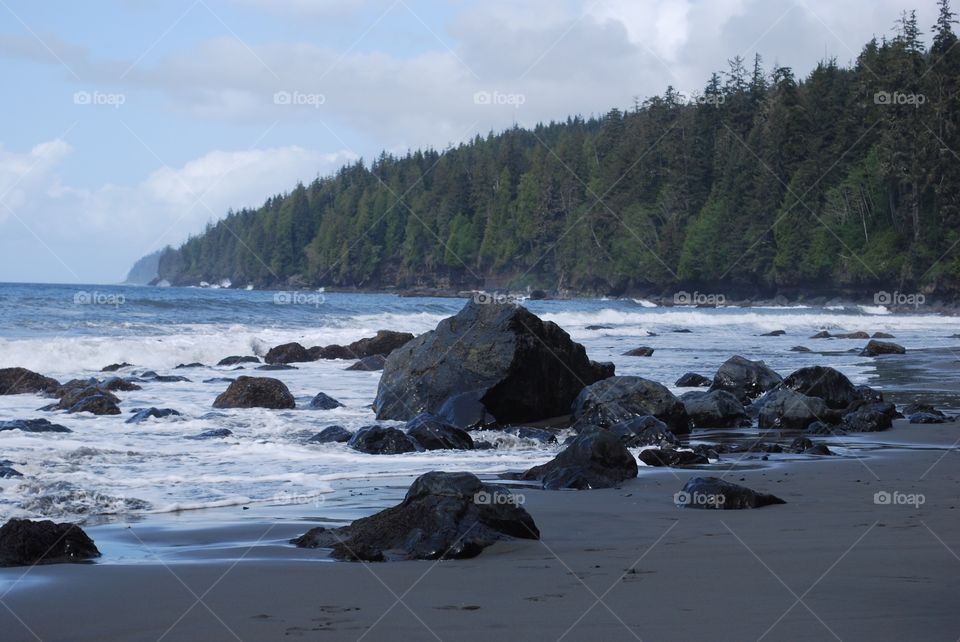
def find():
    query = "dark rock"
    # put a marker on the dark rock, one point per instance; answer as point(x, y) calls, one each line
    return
point(235, 360)
point(169, 378)
point(276, 366)
point(644, 431)
point(323, 401)
point(774, 333)
point(715, 493)
point(287, 353)
point(24, 543)
point(97, 404)
point(255, 392)
point(785, 409)
point(369, 364)
point(525, 368)
point(599, 327)
point(693, 380)
point(800, 444)
point(32, 425)
point(882, 335)
point(7, 472)
point(115, 384)
point(537, 295)
point(683, 331)
point(443, 516)
point(219, 380)
point(215, 433)
point(658, 457)
point(800, 349)
point(82, 396)
point(385, 342)
point(615, 399)
point(331, 434)
point(823, 334)
point(113, 367)
point(142, 414)
point(875, 348)
point(535, 434)
point(707, 451)
point(823, 428)
point(18, 381)
point(195, 364)
point(869, 394)
point(642, 351)
point(596, 459)
point(859, 334)
point(333, 351)
point(871, 417)
point(820, 450)
point(745, 379)
point(825, 383)
point(714, 409)
point(927, 418)
point(434, 434)
point(466, 410)
point(917, 407)
point(380, 440)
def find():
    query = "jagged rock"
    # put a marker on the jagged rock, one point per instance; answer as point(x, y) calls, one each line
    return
point(142, 414)
point(372, 363)
point(642, 351)
point(785, 409)
point(615, 399)
point(714, 409)
point(876, 348)
point(671, 457)
point(287, 353)
point(693, 380)
point(745, 379)
point(331, 434)
point(255, 392)
point(644, 431)
point(524, 368)
point(380, 440)
point(17, 381)
point(32, 425)
point(24, 543)
point(443, 516)
point(434, 434)
point(825, 383)
point(596, 459)
point(324, 401)
point(715, 493)
point(237, 360)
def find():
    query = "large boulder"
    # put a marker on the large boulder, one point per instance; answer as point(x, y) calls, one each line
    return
point(522, 368)
point(24, 543)
point(382, 440)
point(876, 348)
point(615, 399)
point(443, 516)
point(714, 409)
point(785, 409)
point(256, 392)
point(287, 353)
point(825, 383)
point(745, 379)
point(434, 434)
point(17, 381)
point(596, 459)
point(716, 493)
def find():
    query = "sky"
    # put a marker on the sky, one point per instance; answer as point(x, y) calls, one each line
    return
point(129, 125)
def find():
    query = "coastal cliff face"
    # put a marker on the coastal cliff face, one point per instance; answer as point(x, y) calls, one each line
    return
point(764, 182)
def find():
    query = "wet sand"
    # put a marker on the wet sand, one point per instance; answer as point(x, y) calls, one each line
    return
point(616, 564)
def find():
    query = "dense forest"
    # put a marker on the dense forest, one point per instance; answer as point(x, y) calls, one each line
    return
point(848, 179)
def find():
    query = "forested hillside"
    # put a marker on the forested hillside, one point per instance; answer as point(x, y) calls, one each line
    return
point(846, 179)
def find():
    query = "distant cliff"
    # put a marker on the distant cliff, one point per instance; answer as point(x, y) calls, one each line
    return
point(146, 269)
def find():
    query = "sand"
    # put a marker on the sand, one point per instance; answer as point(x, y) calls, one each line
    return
point(617, 564)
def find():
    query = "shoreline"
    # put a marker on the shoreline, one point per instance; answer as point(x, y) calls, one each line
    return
point(887, 571)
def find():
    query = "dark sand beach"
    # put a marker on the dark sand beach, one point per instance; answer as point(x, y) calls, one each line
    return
point(615, 564)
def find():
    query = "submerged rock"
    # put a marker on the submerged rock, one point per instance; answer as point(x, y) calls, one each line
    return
point(255, 392)
point(8, 472)
point(642, 351)
point(443, 516)
point(17, 381)
point(596, 459)
point(194, 364)
point(522, 368)
point(714, 409)
point(715, 493)
point(24, 543)
point(434, 434)
point(876, 348)
point(615, 399)
point(745, 379)
point(237, 360)
point(331, 434)
point(323, 401)
point(381, 440)
point(276, 366)
point(142, 414)
point(692, 380)
point(774, 333)
point(113, 367)
point(32, 425)
point(215, 433)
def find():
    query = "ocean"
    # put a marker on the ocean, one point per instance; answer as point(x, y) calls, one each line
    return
point(107, 469)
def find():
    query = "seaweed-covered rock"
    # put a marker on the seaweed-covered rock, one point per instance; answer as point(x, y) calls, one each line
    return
point(17, 381)
point(24, 542)
point(615, 399)
point(745, 379)
point(256, 392)
point(596, 459)
point(716, 493)
point(443, 516)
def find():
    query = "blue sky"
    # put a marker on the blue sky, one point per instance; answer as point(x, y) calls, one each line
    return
point(128, 124)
